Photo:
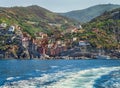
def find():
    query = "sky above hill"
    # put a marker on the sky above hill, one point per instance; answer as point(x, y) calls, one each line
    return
point(58, 5)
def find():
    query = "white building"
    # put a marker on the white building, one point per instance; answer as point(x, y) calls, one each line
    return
point(83, 43)
point(11, 29)
point(4, 25)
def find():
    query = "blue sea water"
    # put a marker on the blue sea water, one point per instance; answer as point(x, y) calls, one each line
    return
point(59, 73)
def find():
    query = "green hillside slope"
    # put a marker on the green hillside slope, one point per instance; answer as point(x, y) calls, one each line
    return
point(88, 14)
point(33, 18)
point(104, 31)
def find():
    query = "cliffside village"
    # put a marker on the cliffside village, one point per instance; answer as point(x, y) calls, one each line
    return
point(19, 44)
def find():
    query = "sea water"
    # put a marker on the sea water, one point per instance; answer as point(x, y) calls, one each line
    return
point(59, 73)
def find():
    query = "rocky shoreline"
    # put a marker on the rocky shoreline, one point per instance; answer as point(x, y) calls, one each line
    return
point(64, 58)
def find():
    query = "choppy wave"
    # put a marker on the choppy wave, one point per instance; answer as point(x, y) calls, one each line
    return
point(63, 79)
point(82, 79)
point(112, 80)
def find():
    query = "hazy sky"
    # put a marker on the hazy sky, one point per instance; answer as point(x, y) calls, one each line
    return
point(57, 5)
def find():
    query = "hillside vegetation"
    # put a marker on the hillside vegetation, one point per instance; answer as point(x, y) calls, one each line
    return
point(88, 14)
point(104, 31)
point(28, 32)
point(33, 19)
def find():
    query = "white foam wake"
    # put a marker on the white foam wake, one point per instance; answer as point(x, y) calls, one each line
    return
point(62, 79)
point(82, 79)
